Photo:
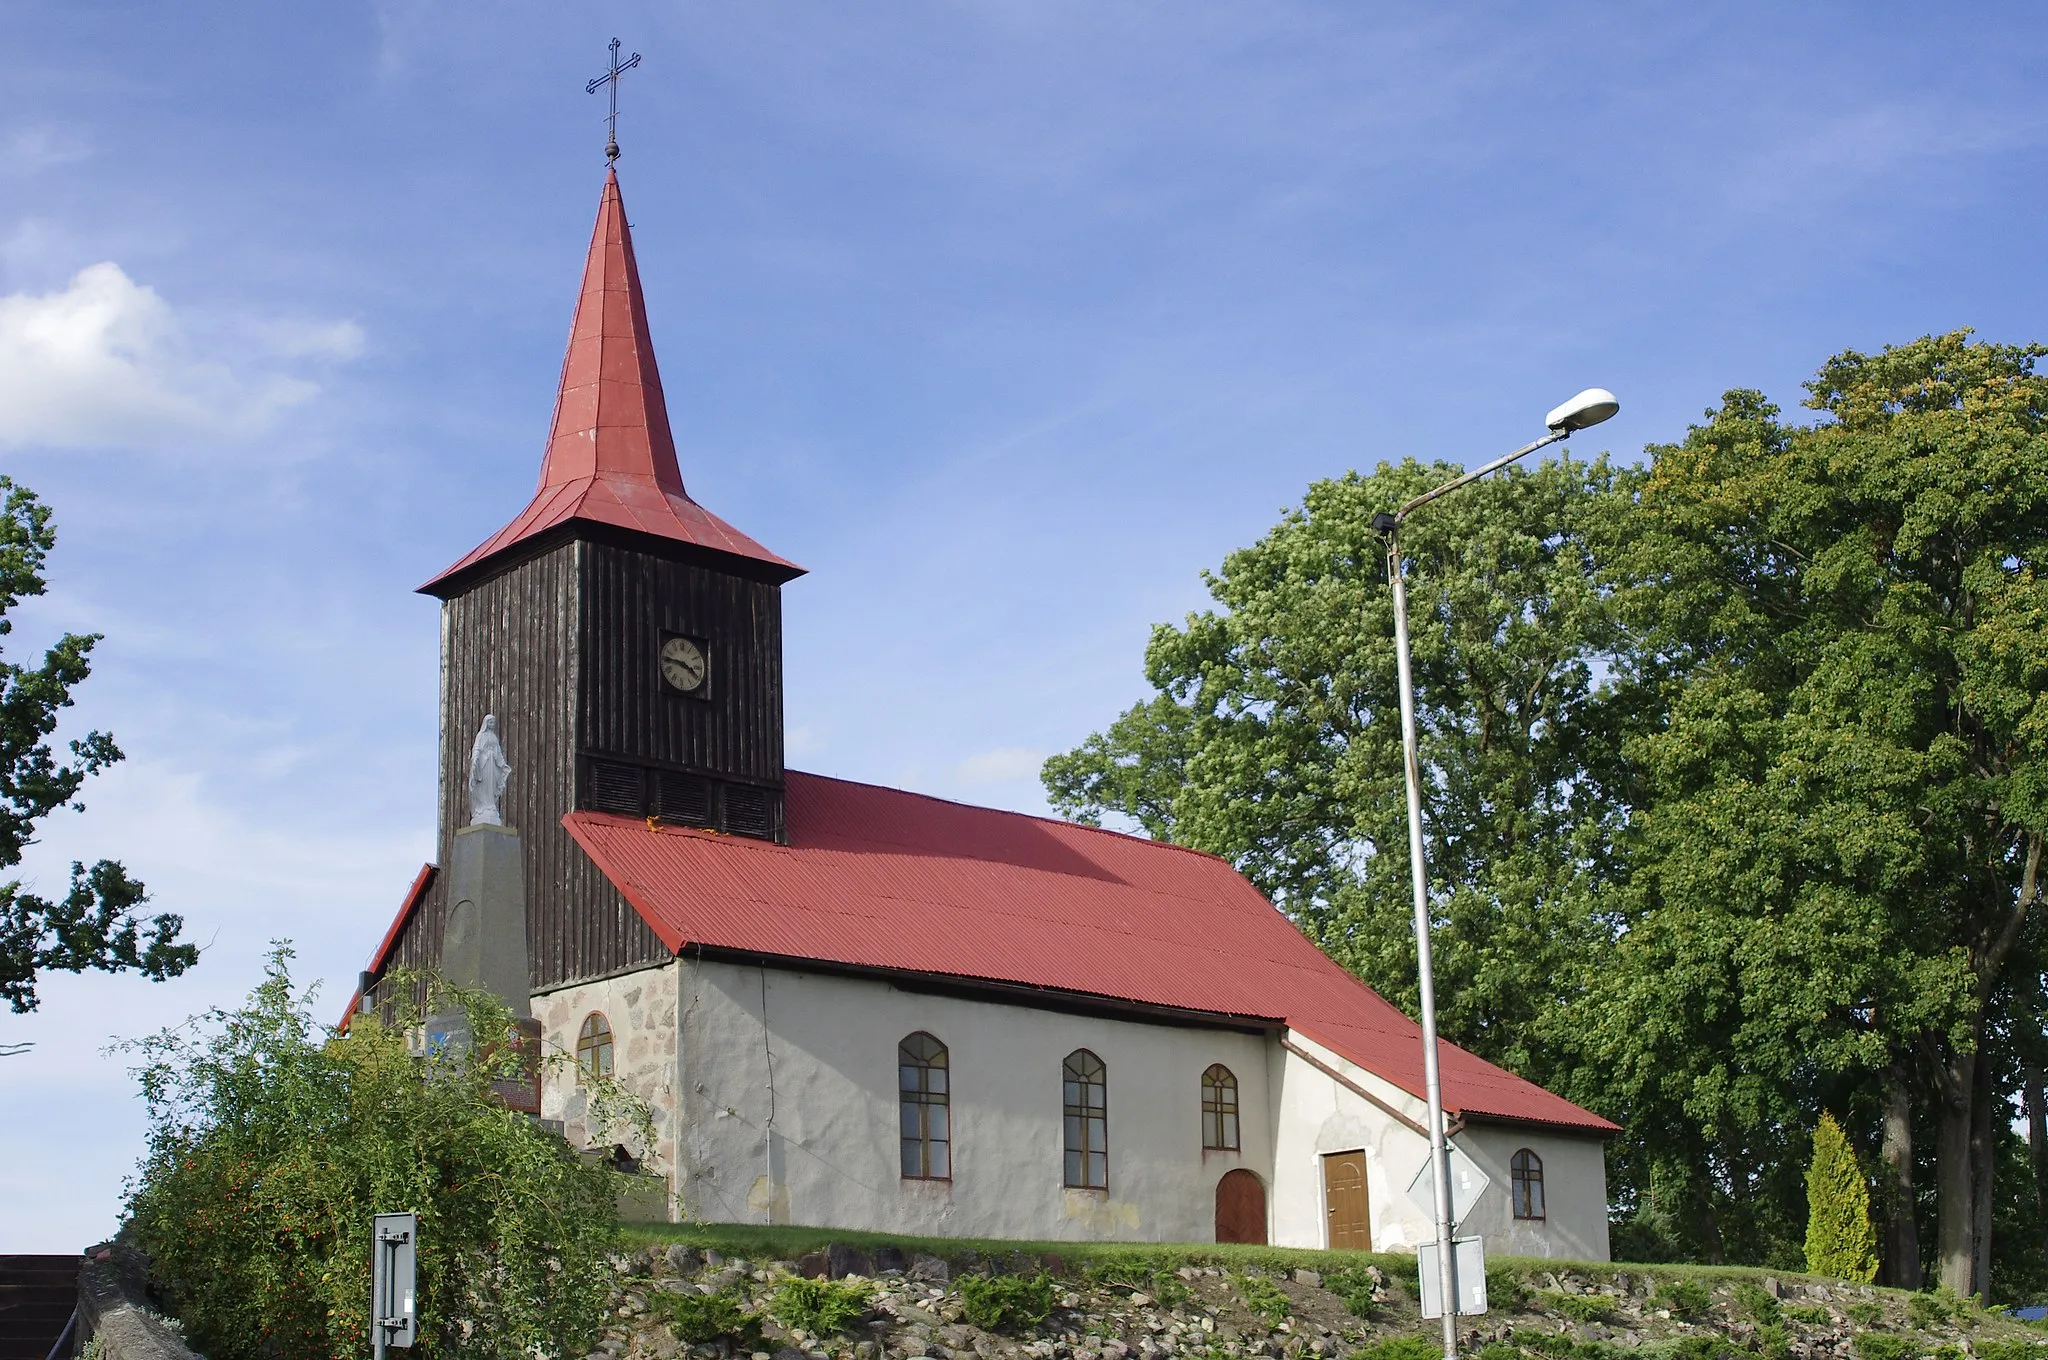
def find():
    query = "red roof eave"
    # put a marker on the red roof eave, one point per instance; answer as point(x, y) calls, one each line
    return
point(413, 897)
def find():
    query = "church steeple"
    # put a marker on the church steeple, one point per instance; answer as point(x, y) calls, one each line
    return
point(611, 459)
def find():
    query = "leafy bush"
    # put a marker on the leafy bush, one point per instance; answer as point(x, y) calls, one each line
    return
point(1863, 1314)
point(1005, 1303)
point(1265, 1298)
point(1401, 1348)
point(272, 1142)
point(1686, 1298)
point(1757, 1303)
point(699, 1319)
point(1841, 1241)
point(820, 1307)
point(1883, 1346)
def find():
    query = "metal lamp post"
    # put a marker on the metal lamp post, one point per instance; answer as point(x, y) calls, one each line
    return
point(1589, 407)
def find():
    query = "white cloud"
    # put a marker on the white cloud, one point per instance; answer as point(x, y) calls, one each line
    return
point(106, 362)
point(999, 766)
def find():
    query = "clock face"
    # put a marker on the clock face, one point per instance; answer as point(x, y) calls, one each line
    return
point(683, 665)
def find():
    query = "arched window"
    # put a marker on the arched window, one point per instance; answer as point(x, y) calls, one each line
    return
point(924, 1096)
point(1527, 1172)
point(1087, 1109)
point(1219, 1109)
point(594, 1047)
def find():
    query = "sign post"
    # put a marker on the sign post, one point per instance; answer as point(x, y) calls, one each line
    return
point(394, 1274)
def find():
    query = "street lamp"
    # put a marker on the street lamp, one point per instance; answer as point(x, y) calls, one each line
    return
point(1588, 408)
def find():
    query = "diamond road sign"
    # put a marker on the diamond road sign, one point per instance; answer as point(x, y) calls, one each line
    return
point(1468, 1183)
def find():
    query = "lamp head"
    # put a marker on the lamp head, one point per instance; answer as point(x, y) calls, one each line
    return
point(1590, 407)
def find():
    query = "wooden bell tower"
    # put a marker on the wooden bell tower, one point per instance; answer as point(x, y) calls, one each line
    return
point(628, 640)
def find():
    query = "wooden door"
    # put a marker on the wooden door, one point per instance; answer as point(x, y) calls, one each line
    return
point(1240, 1208)
point(1344, 1192)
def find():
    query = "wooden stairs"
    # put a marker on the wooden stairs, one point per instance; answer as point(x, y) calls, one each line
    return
point(37, 1294)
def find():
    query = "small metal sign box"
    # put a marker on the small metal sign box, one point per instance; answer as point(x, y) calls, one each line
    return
point(394, 1273)
point(1470, 1258)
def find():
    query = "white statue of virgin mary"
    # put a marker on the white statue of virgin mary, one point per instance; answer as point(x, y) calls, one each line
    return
point(488, 772)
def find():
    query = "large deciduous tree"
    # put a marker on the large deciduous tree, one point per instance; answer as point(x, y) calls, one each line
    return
point(1275, 739)
point(95, 924)
point(1839, 848)
point(1737, 776)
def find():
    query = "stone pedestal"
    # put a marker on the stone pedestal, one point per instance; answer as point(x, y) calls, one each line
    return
point(485, 943)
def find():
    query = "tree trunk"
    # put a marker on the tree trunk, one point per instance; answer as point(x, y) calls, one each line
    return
point(1954, 1205)
point(1983, 1165)
point(1901, 1224)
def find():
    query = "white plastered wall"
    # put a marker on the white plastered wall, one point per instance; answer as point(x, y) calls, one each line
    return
point(830, 1157)
point(1318, 1114)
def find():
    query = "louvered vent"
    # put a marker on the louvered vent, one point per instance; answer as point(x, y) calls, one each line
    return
point(746, 811)
point(616, 787)
point(683, 798)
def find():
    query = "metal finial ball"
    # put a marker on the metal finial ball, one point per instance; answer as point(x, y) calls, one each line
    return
point(611, 151)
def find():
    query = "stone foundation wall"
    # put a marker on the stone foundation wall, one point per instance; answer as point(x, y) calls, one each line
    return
point(641, 1009)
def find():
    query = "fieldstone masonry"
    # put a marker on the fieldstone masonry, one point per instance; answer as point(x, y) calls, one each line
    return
point(640, 1007)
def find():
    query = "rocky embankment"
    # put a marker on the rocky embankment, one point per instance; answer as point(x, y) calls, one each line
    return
point(849, 1304)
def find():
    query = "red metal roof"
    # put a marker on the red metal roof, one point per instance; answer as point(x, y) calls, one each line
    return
point(414, 895)
point(610, 456)
point(879, 878)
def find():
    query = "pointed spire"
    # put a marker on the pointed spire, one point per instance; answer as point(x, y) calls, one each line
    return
point(610, 417)
point(610, 456)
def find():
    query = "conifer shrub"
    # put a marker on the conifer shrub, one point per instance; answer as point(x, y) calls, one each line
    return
point(1841, 1241)
point(1006, 1303)
point(1883, 1346)
point(1260, 1295)
point(1504, 1288)
point(273, 1140)
point(1686, 1298)
point(1757, 1303)
point(700, 1319)
point(1401, 1348)
point(1863, 1314)
point(820, 1307)
point(1353, 1285)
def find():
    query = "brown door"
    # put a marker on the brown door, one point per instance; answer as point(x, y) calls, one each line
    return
point(1240, 1208)
point(1344, 1192)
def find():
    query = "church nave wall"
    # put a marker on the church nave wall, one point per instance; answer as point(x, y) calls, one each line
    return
point(832, 1156)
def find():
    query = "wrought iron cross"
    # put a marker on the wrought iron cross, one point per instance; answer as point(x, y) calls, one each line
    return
point(611, 78)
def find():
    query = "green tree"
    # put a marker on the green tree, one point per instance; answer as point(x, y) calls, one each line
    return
point(273, 1141)
point(1840, 1241)
point(95, 923)
point(1831, 872)
point(1274, 735)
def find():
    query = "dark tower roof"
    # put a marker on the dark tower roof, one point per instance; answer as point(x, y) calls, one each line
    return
point(610, 457)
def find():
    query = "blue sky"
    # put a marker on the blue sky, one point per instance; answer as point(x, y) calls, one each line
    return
point(1005, 319)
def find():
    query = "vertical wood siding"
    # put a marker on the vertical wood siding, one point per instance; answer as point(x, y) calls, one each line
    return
point(633, 601)
point(564, 649)
point(509, 647)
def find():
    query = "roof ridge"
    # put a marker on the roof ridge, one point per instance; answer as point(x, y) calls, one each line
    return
point(1027, 816)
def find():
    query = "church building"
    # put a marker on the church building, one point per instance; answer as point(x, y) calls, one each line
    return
point(856, 1007)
